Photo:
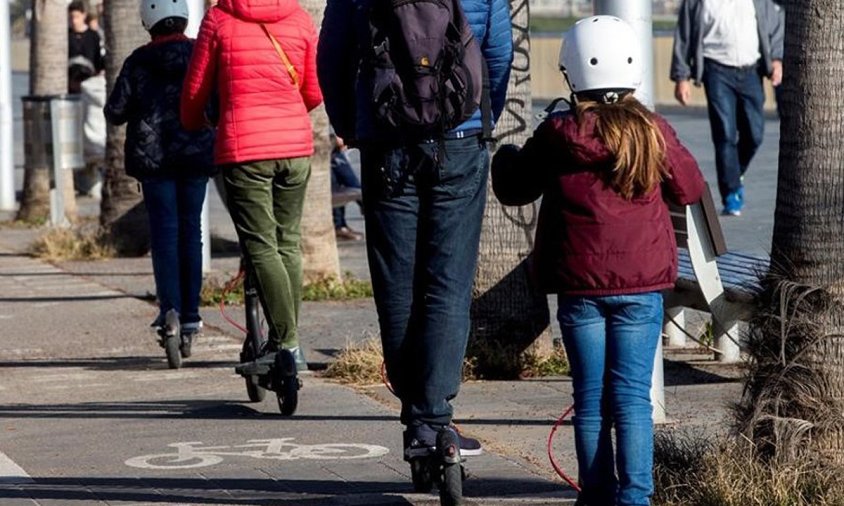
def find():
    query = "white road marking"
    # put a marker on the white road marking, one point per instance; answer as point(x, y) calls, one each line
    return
point(11, 473)
point(192, 454)
point(41, 305)
point(70, 376)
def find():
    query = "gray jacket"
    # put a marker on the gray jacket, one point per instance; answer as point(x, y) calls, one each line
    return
point(687, 61)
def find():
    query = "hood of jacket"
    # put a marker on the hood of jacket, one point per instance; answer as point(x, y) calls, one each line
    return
point(259, 11)
point(581, 139)
point(169, 56)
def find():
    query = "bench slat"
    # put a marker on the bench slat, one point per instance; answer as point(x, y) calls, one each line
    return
point(739, 272)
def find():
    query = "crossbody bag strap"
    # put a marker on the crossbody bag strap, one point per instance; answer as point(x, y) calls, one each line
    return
point(294, 76)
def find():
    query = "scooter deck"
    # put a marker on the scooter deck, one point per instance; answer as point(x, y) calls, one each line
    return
point(260, 367)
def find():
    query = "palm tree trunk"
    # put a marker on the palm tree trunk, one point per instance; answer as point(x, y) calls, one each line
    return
point(795, 397)
point(123, 216)
point(319, 245)
point(508, 315)
point(48, 76)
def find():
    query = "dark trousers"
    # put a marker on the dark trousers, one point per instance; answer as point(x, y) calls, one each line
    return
point(342, 176)
point(424, 205)
point(735, 99)
point(175, 209)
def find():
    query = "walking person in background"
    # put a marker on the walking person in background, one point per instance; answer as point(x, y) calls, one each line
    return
point(84, 52)
point(86, 63)
point(261, 56)
point(728, 45)
point(424, 196)
point(343, 180)
point(605, 245)
point(172, 164)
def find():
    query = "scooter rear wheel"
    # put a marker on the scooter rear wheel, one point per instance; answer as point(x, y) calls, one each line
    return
point(253, 389)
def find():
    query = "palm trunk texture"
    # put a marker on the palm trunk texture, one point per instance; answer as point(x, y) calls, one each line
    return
point(508, 314)
point(794, 401)
point(123, 216)
point(319, 245)
point(48, 76)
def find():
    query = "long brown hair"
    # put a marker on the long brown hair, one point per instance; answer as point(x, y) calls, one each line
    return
point(629, 131)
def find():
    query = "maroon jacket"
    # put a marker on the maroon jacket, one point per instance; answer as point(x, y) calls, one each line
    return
point(589, 240)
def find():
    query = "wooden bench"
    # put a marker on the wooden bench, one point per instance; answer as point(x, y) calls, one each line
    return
point(711, 278)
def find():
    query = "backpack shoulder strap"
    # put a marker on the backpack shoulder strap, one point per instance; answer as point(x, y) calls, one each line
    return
point(486, 105)
point(294, 76)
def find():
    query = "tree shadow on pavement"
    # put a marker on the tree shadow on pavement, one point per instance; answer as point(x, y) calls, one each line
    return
point(89, 274)
point(213, 410)
point(680, 373)
point(275, 490)
point(69, 298)
point(115, 363)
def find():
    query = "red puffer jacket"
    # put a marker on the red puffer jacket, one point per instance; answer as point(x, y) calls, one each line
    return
point(589, 240)
point(262, 114)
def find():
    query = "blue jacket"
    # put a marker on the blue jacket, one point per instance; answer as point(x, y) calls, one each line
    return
point(146, 96)
point(345, 29)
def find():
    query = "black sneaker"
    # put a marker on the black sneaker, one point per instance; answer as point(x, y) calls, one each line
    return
point(424, 437)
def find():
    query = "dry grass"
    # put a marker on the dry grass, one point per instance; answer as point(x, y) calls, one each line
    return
point(330, 288)
point(214, 290)
point(359, 363)
point(57, 244)
point(494, 360)
point(23, 224)
point(692, 470)
point(555, 364)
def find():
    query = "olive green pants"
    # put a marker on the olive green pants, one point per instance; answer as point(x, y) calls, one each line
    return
point(265, 202)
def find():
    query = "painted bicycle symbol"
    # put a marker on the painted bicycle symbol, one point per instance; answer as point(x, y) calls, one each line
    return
point(192, 454)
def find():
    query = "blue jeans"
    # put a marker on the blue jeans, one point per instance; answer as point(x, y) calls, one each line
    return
point(175, 208)
point(735, 98)
point(611, 342)
point(423, 205)
point(342, 176)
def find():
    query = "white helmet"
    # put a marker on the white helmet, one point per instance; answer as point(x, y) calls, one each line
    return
point(601, 53)
point(153, 11)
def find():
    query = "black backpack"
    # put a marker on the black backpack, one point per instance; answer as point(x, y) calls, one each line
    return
point(428, 73)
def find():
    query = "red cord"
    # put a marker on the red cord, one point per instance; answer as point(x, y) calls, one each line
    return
point(385, 379)
point(554, 463)
point(228, 288)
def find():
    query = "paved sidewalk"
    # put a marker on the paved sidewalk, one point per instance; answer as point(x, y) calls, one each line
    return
point(84, 387)
point(84, 390)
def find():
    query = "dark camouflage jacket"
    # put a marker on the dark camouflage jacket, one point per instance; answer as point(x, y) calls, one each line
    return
point(146, 97)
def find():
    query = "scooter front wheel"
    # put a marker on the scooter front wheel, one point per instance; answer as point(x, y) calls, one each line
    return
point(286, 383)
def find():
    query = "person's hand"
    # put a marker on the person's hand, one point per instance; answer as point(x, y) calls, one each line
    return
point(339, 143)
point(776, 73)
point(683, 91)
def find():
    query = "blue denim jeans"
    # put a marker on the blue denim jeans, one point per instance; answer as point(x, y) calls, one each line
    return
point(342, 176)
point(423, 205)
point(735, 98)
point(175, 208)
point(611, 342)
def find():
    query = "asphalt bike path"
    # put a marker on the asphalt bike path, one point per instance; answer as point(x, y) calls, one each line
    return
point(90, 414)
